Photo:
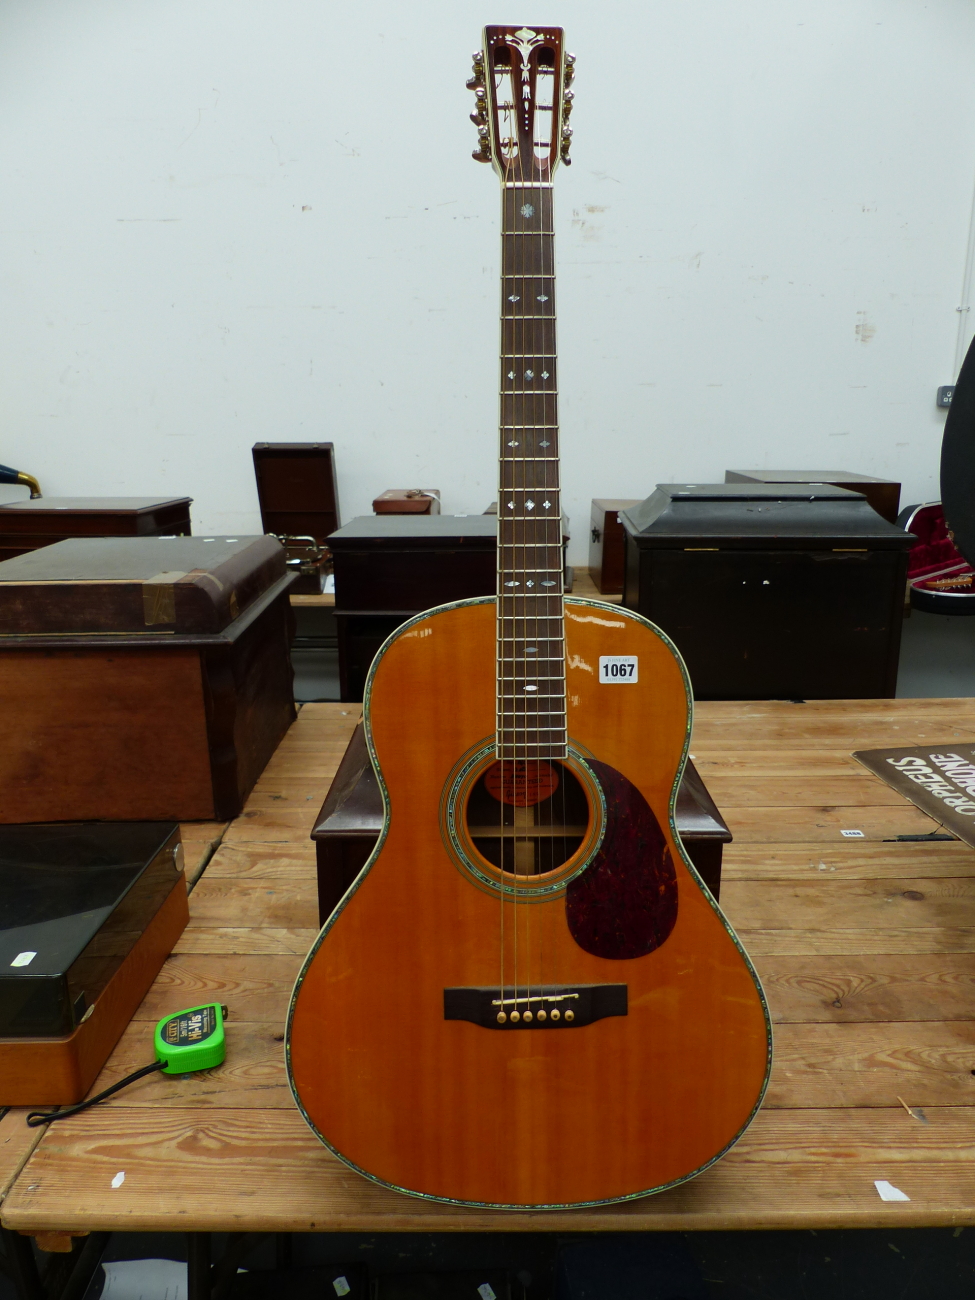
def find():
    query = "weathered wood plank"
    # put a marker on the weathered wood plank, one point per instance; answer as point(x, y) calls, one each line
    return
point(902, 988)
point(199, 840)
point(837, 905)
point(816, 1066)
point(846, 860)
point(273, 825)
point(712, 762)
point(860, 1065)
point(17, 1141)
point(278, 904)
point(797, 943)
point(821, 825)
point(254, 988)
point(800, 791)
point(243, 940)
point(292, 861)
point(227, 1170)
point(252, 1077)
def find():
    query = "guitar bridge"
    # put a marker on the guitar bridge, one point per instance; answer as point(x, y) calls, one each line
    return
point(546, 1006)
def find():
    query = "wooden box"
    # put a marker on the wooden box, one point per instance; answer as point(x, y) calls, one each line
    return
point(27, 525)
point(607, 543)
point(771, 592)
point(408, 501)
point(390, 567)
point(141, 679)
point(299, 501)
point(351, 820)
point(88, 914)
point(883, 493)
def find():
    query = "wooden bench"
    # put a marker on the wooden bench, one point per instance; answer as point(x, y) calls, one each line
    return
point(866, 948)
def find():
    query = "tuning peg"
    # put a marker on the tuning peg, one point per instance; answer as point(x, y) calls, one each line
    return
point(477, 118)
point(566, 134)
point(483, 152)
point(569, 69)
point(475, 83)
point(567, 99)
point(565, 153)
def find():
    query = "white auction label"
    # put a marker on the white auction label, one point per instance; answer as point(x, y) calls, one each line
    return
point(617, 670)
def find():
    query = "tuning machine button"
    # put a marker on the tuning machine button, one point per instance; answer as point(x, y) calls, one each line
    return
point(567, 99)
point(569, 72)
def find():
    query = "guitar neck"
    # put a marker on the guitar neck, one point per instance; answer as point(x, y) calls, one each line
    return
point(531, 721)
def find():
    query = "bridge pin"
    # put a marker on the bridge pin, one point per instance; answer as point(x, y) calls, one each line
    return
point(515, 1017)
point(528, 1017)
point(556, 1014)
point(570, 1015)
point(501, 1017)
point(543, 1015)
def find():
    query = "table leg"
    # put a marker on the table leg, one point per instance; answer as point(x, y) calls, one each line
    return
point(22, 1265)
point(198, 1284)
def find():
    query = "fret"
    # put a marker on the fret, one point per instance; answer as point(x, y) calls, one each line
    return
point(531, 689)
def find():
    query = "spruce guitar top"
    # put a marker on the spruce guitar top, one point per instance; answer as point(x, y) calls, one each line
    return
point(528, 998)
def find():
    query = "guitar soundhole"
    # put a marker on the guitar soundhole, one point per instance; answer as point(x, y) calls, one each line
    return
point(527, 817)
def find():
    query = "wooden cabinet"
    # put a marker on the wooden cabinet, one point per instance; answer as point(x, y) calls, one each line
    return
point(42, 521)
point(390, 567)
point(607, 543)
point(141, 679)
point(771, 592)
point(883, 494)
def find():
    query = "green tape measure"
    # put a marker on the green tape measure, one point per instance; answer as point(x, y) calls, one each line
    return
point(192, 1040)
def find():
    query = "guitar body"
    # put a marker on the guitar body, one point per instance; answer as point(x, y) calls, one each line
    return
point(616, 1104)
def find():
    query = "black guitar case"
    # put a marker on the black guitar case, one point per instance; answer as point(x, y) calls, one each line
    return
point(958, 461)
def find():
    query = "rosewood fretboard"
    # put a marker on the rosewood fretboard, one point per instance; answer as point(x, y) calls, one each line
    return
point(531, 720)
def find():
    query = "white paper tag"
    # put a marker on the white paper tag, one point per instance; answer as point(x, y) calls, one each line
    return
point(853, 835)
point(147, 1279)
point(486, 1291)
point(119, 1178)
point(619, 670)
point(23, 959)
point(888, 1192)
point(341, 1286)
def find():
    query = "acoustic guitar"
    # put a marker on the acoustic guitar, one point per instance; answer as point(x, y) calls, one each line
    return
point(528, 998)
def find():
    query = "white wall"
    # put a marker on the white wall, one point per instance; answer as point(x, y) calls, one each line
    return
point(226, 221)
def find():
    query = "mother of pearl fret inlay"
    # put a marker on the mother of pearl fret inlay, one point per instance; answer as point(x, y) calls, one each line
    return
point(531, 697)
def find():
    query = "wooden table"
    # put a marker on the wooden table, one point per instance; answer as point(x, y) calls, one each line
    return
point(866, 949)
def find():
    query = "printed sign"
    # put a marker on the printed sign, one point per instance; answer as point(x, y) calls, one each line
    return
point(938, 779)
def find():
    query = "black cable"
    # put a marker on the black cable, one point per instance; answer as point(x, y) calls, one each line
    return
point(38, 1117)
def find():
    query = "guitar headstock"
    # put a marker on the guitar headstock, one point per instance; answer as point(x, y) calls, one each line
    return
point(521, 84)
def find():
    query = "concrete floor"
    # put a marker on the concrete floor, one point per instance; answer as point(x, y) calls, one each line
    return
point(937, 656)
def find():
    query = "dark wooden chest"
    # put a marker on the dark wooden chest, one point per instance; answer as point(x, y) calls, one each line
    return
point(882, 493)
point(771, 592)
point(143, 678)
point(27, 525)
point(390, 567)
point(299, 500)
point(607, 543)
point(351, 821)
